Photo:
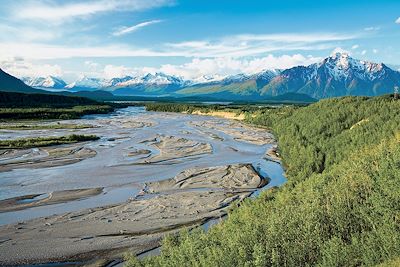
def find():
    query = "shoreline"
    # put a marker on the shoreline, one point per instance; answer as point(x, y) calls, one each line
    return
point(168, 208)
point(221, 195)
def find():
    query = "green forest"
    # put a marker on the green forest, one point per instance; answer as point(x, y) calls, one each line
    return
point(340, 206)
point(12, 100)
point(17, 106)
point(53, 113)
point(190, 108)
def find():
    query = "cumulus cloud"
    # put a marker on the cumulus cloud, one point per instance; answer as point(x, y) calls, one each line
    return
point(363, 52)
point(340, 50)
point(397, 21)
point(21, 68)
point(355, 46)
point(112, 71)
point(92, 65)
point(223, 66)
point(126, 30)
point(200, 67)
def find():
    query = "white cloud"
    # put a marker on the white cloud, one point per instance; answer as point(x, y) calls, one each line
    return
point(53, 11)
point(222, 56)
point(397, 21)
point(111, 71)
point(126, 30)
point(372, 28)
point(363, 52)
point(295, 37)
point(223, 66)
point(217, 67)
point(375, 51)
point(340, 50)
point(93, 66)
point(235, 46)
point(196, 68)
point(21, 68)
point(251, 44)
point(26, 34)
point(355, 46)
point(44, 51)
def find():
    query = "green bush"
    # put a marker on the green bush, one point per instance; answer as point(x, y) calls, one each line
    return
point(340, 207)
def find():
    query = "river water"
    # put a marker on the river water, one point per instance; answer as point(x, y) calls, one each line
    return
point(112, 168)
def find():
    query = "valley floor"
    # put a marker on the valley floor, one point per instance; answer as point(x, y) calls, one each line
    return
point(149, 174)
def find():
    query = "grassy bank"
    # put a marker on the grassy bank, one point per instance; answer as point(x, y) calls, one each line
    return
point(340, 207)
point(45, 141)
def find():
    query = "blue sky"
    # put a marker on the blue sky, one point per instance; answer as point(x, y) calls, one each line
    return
point(109, 38)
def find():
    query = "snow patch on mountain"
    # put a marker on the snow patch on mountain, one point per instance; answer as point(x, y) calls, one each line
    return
point(342, 66)
point(45, 82)
point(86, 82)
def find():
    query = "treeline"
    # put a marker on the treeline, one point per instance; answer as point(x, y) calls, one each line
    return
point(53, 113)
point(46, 141)
point(20, 100)
point(190, 108)
point(48, 106)
point(341, 206)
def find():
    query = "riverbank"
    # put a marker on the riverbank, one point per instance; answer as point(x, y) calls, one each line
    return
point(135, 226)
point(138, 153)
point(221, 114)
point(339, 207)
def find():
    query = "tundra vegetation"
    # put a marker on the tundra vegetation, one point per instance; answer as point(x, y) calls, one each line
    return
point(340, 206)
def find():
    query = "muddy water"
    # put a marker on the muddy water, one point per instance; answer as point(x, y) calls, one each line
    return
point(114, 170)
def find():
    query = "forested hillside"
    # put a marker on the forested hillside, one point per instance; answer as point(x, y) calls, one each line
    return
point(340, 207)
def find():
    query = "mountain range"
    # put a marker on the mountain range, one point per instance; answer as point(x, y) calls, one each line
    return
point(337, 75)
point(49, 82)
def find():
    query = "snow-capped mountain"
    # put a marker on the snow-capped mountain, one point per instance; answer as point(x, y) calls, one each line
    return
point(49, 82)
point(237, 86)
point(148, 84)
point(207, 79)
point(129, 85)
point(337, 75)
point(116, 81)
point(151, 79)
point(86, 84)
point(162, 79)
point(342, 66)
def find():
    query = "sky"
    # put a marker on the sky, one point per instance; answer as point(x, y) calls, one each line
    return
point(190, 39)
